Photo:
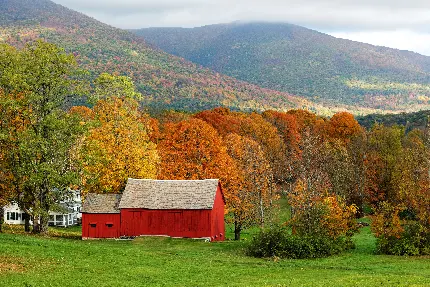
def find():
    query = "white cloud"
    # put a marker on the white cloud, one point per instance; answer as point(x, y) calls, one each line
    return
point(387, 14)
point(400, 39)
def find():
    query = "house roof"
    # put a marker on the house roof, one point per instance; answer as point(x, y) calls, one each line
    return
point(169, 194)
point(101, 203)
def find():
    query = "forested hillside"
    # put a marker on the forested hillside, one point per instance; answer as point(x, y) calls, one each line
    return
point(164, 80)
point(417, 120)
point(304, 62)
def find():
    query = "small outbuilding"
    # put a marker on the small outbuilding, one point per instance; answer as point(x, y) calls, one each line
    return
point(101, 217)
point(176, 208)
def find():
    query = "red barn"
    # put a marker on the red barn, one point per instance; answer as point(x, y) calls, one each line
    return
point(176, 208)
point(101, 216)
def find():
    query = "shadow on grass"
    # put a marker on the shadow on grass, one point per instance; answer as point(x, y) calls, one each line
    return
point(73, 232)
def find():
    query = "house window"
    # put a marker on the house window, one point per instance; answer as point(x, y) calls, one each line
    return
point(7, 216)
point(12, 216)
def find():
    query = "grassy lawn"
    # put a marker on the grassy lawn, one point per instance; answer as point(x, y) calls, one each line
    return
point(64, 260)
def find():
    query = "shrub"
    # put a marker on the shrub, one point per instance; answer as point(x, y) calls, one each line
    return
point(414, 240)
point(398, 231)
point(319, 213)
point(276, 241)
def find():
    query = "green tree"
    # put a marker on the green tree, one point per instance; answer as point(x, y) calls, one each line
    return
point(40, 161)
point(110, 86)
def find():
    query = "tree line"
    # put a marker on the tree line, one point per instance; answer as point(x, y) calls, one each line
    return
point(331, 170)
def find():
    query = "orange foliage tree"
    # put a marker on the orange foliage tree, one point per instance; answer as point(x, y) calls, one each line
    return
point(192, 149)
point(253, 126)
point(343, 126)
point(266, 135)
point(222, 119)
point(288, 129)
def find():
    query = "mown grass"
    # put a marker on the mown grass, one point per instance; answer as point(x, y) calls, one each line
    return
point(149, 261)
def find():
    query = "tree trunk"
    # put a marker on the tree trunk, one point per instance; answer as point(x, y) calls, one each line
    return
point(1, 217)
point(261, 211)
point(237, 230)
point(44, 224)
point(27, 222)
point(36, 225)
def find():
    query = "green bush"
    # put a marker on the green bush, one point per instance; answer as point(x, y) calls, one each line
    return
point(276, 241)
point(413, 241)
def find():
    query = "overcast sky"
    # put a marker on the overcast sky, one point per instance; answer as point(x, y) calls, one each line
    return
point(402, 24)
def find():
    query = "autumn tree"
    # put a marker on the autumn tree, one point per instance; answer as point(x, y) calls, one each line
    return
point(344, 165)
point(343, 127)
point(266, 135)
point(318, 212)
point(253, 126)
point(192, 149)
point(118, 145)
point(254, 199)
point(401, 222)
point(222, 119)
point(383, 152)
point(85, 113)
point(304, 119)
point(13, 121)
point(288, 129)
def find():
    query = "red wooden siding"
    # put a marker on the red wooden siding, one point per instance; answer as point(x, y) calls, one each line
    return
point(175, 222)
point(101, 225)
point(217, 217)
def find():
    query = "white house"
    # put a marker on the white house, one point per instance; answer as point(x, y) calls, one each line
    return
point(70, 214)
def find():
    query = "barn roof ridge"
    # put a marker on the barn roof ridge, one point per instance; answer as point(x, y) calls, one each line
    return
point(169, 194)
point(174, 180)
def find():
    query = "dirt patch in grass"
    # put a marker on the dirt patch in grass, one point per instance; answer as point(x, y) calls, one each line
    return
point(11, 264)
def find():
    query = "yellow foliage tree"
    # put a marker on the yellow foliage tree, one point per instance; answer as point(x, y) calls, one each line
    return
point(118, 147)
point(253, 199)
point(317, 212)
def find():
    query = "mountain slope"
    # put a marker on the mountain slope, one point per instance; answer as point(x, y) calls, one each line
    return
point(304, 62)
point(165, 80)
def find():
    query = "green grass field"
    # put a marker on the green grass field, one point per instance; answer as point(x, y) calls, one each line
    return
point(64, 260)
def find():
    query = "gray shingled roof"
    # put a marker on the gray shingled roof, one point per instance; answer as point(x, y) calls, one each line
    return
point(169, 194)
point(101, 203)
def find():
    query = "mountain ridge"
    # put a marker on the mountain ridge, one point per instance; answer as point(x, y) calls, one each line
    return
point(304, 62)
